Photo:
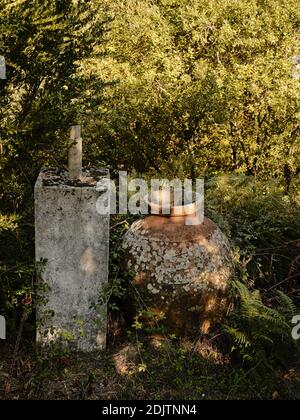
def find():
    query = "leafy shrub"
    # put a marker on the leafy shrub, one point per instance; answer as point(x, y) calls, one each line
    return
point(263, 223)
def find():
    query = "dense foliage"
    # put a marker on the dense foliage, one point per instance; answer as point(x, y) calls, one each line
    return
point(202, 84)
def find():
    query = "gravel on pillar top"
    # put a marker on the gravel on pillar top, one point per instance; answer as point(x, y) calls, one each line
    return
point(72, 246)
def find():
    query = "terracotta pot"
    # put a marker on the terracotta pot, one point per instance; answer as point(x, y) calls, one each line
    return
point(163, 202)
point(181, 271)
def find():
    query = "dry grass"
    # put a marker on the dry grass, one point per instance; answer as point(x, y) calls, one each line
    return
point(151, 368)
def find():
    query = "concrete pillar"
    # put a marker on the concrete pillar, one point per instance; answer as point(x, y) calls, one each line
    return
point(73, 240)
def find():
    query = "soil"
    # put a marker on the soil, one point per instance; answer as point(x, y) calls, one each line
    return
point(56, 176)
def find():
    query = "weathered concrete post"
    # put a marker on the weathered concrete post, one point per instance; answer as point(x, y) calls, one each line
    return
point(73, 241)
point(2, 328)
point(75, 153)
point(2, 68)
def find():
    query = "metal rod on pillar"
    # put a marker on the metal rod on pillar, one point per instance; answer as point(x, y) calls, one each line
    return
point(2, 68)
point(75, 153)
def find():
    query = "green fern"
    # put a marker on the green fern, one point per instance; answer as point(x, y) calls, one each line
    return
point(259, 332)
point(286, 304)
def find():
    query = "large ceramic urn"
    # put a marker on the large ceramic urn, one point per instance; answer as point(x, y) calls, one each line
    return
point(181, 271)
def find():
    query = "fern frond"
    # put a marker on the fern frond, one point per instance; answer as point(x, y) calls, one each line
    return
point(286, 304)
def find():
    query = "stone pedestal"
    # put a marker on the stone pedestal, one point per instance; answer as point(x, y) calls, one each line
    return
point(72, 245)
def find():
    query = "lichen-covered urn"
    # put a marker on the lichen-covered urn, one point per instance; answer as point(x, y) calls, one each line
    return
point(181, 271)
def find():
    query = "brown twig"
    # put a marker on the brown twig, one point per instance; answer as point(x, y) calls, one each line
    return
point(281, 282)
point(118, 224)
